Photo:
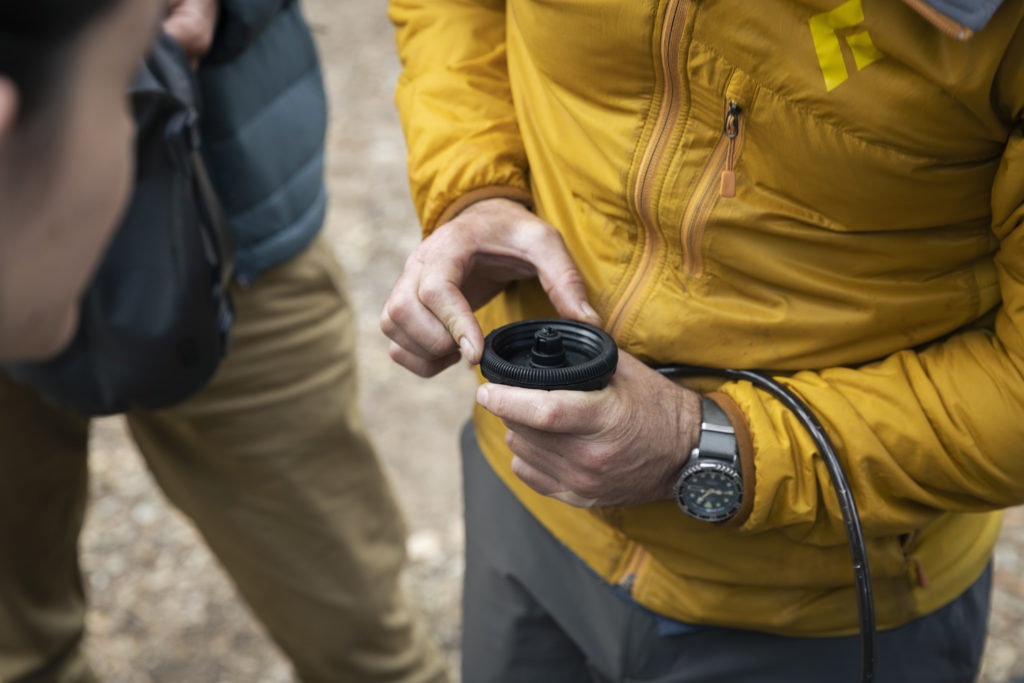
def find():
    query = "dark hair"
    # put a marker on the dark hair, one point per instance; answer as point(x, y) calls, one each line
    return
point(37, 39)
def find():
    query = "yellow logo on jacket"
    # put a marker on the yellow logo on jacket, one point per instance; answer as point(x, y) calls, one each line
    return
point(830, 30)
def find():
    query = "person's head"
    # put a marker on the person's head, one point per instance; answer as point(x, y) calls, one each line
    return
point(66, 158)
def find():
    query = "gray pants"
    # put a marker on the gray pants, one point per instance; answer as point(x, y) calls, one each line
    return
point(533, 612)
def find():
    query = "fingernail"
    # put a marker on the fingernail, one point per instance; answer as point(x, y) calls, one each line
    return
point(589, 312)
point(467, 349)
point(482, 395)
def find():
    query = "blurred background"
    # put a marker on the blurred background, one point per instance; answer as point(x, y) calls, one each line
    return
point(162, 609)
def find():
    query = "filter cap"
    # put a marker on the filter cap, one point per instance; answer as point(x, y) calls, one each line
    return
point(550, 354)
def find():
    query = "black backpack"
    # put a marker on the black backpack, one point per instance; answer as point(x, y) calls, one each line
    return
point(156, 318)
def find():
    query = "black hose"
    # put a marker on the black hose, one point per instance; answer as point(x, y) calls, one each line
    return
point(854, 533)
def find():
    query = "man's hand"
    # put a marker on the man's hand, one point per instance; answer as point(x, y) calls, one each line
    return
point(463, 265)
point(623, 445)
point(192, 24)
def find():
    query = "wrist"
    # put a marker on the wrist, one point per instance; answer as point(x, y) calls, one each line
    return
point(485, 195)
point(687, 411)
point(709, 486)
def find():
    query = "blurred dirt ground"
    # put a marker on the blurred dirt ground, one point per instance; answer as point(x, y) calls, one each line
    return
point(162, 610)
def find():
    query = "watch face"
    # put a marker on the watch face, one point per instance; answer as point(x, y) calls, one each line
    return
point(711, 492)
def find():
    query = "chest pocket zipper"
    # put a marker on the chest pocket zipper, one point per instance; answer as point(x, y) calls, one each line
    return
point(718, 174)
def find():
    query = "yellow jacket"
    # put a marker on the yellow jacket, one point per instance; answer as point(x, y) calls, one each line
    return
point(828, 190)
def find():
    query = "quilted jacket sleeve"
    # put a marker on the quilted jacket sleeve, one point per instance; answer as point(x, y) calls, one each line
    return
point(455, 105)
point(920, 432)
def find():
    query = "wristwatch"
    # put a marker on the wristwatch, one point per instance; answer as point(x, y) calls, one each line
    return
point(710, 485)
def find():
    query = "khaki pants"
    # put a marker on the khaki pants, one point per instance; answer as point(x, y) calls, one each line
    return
point(271, 463)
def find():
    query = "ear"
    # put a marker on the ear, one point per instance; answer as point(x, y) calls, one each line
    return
point(8, 107)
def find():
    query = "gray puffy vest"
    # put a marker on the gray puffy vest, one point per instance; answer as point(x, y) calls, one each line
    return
point(265, 120)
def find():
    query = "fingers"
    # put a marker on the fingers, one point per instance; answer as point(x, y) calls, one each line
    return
point(561, 279)
point(429, 320)
point(440, 294)
point(548, 433)
point(539, 481)
point(408, 323)
point(574, 499)
point(462, 265)
point(549, 412)
point(577, 466)
point(547, 485)
point(622, 445)
point(419, 342)
point(419, 365)
point(534, 242)
point(192, 24)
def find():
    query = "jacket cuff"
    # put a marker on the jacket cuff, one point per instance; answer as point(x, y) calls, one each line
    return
point(479, 194)
point(745, 444)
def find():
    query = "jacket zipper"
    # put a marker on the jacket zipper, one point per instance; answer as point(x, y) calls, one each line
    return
point(719, 173)
point(643, 192)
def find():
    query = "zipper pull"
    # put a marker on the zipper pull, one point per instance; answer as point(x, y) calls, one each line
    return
point(917, 568)
point(731, 130)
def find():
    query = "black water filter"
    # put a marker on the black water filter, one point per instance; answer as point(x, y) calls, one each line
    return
point(550, 354)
